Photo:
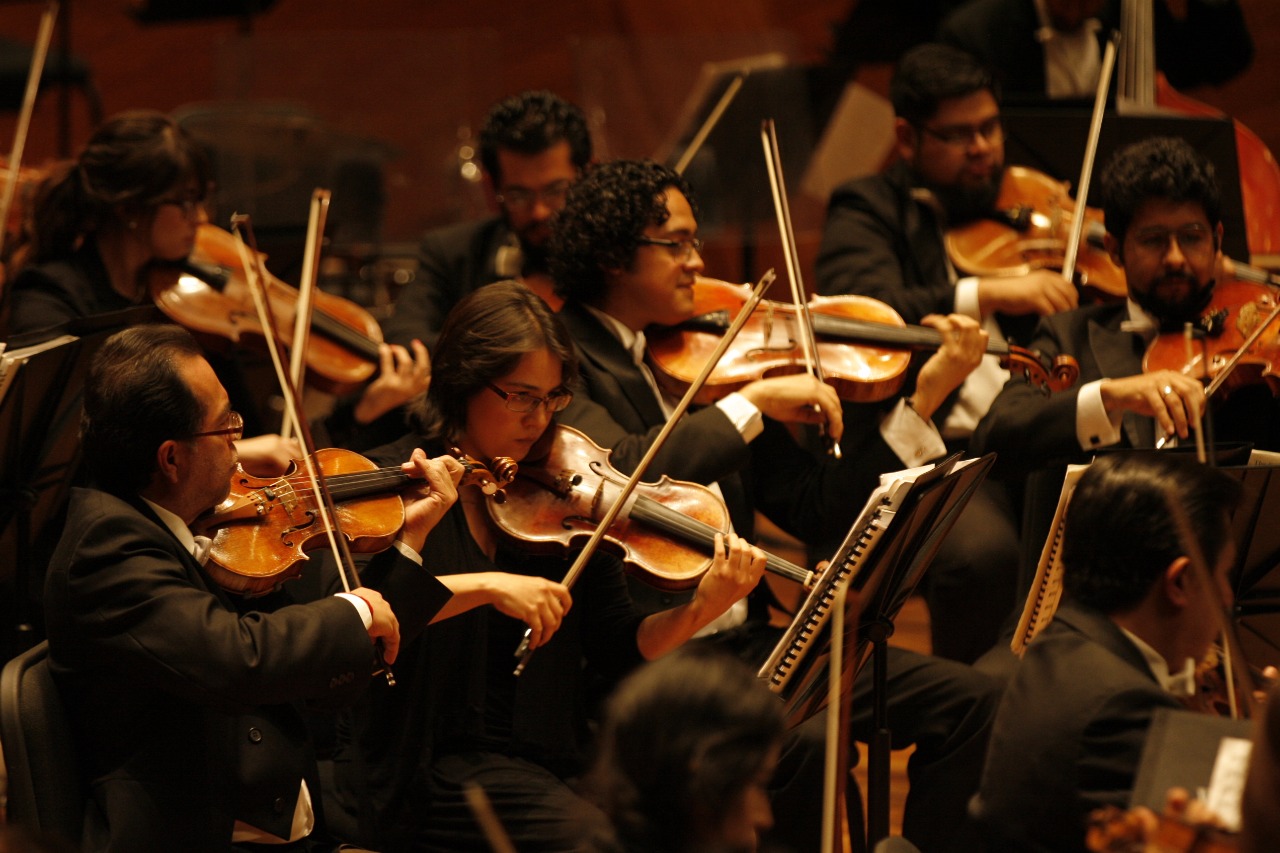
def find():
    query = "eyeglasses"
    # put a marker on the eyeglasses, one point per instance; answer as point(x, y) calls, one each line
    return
point(1194, 239)
point(991, 130)
point(681, 249)
point(233, 432)
point(522, 200)
point(523, 403)
point(190, 203)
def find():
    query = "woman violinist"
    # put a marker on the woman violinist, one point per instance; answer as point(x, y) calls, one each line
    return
point(458, 714)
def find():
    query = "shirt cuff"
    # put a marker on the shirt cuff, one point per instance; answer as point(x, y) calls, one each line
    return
point(361, 606)
point(743, 414)
point(914, 439)
point(967, 297)
point(407, 551)
point(1094, 427)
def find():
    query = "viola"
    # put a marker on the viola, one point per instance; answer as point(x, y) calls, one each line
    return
point(1028, 231)
point(208, 294)
point(666, 536)
point(264, 528)
point(864, 346)
point(1234, 312)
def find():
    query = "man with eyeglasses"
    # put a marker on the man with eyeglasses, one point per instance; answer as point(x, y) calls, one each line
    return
point(884, 239)
point(532, 147)
point(185, 702)
point(625, 257)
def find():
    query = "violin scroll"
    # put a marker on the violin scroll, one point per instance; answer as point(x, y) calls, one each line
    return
point(492, 482)
point(1059, 376)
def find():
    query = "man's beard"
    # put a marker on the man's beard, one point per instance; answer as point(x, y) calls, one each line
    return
point(534, 259)
point(1172, 313)
point(965, 204)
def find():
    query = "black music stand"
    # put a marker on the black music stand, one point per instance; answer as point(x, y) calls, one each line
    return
point(1257, 573)
point(882, 582)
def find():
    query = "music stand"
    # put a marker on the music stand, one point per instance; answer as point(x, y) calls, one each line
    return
point(882, 560)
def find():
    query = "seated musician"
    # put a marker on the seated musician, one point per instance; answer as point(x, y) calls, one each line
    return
point(884, 239)
point(688, 745)
point(532, 147)
point(458, 714)
point(625, 256)
point(1071, 726)
point(185, 702)
point(1163, 217)
point(132, 199)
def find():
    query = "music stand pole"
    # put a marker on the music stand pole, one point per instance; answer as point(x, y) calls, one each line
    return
point(880, 749)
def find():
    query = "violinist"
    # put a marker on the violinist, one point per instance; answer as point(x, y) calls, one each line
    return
point(458, 714)
point(532, 147)
point(1069, 734)
point(884, 238)
point(1053, 47)
point(625, 252)
point(1164, 228)
point(185, 704)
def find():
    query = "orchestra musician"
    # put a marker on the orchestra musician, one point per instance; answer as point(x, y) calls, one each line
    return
point(884, 239)
point(1053, 47)
point(688, 745)
point(458, 714)
point(532, 146)
point(185, 702)
point(1134, 621)
point(625, 253)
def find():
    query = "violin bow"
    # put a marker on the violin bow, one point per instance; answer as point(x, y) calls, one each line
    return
point(524, 653)
point(38, 55)
point(316, 220)
point(709, 123)
point(804, 321)
point(1090, 153)
point(324, 499)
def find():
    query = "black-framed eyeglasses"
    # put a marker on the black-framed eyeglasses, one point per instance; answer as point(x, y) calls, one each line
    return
point(1193, 239)
point(190, 202)
point(234, 431)
point(991, 130)
point(682, 249)
point(518, 401)
point(523, 200)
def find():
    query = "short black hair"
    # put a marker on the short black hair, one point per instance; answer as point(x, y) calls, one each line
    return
point(1162, 167)
point(1120, 535)
point(530, 123)
point(135, 399)
point(929, 74)
point(604, 216)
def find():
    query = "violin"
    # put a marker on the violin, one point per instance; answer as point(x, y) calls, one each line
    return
point(1235, 311)
point(864, 346)
point(1028, 231)
point(666, 535)
point(264, 528)
point(208, 295)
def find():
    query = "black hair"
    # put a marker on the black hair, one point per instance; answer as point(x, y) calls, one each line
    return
point(604, 216)
point(135, 399)
point(1120, 535)
point(484, 337)
point(929, 74)
point(1162, 167)
point(530, 123)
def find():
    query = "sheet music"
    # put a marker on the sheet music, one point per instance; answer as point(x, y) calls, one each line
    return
point(11, 361)
point(1046, 589)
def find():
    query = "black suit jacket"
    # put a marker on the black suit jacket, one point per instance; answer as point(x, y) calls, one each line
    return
point(1069, 733)
point(184, 708)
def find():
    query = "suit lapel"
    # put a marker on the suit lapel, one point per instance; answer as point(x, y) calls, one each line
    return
point(1117, 354)
point(606, 353)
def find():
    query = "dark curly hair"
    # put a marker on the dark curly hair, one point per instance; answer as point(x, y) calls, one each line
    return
point(484, 337)
point(682, 738)
point(132, 161)
point(929, 74)
point(604, 216)
point(1120, 535)
point(530, 123)
point(1162, 167)
point(135, 399)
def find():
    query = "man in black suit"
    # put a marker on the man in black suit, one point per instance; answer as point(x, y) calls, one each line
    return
point(625, 255)
point(1053, 47)
point(1136, 618)
point(532, 147)
point(183, 701)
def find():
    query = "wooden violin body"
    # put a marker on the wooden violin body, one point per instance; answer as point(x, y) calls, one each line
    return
point(209, 295)
point(1029, 231)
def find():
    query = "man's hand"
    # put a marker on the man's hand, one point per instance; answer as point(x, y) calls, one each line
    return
point(401, 377)
point(735, 570)
point(1040, 292)
point(426, 503)
point(385, 626)
point(267, 455)
point(792, 399)
point(964, 343)
point(1174, 399)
